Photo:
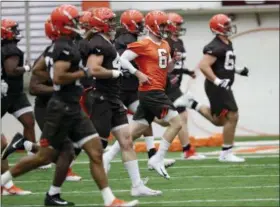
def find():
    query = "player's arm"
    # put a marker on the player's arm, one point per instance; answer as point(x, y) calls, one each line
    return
point(243, 71)
point(11, 66)
point(205, 66)
point(36, 86)
point(126, 59)
point(63, 76)
point(94, 63)
point(39, 69)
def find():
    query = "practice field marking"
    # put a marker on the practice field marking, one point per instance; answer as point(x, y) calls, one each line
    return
point(158, 177)
point(174, 202)
point(167, 190)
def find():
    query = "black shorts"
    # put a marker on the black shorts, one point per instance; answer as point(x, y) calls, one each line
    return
point(173, 96)
point(16, 104)
point(107, 114)
point(64, 120)
point(221, 100)
point(40, 113)
point(153, 104)
point(129, 97)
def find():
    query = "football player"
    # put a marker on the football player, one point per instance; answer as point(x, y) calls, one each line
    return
point(12, 64)
point(175, 30)
point(108, 113)
point(152, 56)
point(132, 22)
point(218, 66)
point(64, 117)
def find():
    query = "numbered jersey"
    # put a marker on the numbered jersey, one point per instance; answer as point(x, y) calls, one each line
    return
point(177, 73)
point(152, 60)
point(224, 66)
point(9, 49)
point(64, 49)
point(99, 45)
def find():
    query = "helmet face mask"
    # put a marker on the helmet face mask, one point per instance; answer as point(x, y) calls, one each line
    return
point(163, 30)
point(229, 29)
point(16, 31)
point(75, 26)
point(180, 31)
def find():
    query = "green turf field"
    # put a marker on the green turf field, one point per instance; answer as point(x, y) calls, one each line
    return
point(192, 183)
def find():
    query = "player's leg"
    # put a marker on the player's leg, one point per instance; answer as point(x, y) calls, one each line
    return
point(121, 131)
point(9, 188)
point(86, 137)
point(23, 111)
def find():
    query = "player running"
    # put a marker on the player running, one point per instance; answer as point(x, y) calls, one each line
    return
point(218, 66)
point(152, 56)
point(175, 30)
point(64, 116)
point(12, 64)
point(108, 113)
point(132, 22)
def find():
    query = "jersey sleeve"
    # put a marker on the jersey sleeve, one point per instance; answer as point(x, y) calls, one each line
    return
point(62, 51)
point(122, 41)
point(10, 50)
point(137, 47)
point(96, 46)
point(213, 50)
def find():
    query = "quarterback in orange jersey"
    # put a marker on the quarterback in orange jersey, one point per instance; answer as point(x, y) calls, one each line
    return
point(152, 56)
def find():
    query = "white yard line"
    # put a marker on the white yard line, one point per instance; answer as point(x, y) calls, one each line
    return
point(176, 202)
point(167, 190)
point(158, 177)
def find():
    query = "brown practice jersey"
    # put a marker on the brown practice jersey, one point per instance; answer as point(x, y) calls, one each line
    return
point(153, 61)
point(224, 67)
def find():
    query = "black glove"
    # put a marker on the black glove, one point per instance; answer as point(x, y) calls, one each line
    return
point(244, 72)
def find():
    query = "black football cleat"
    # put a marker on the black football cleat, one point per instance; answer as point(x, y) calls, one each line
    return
point(55, 200)
point(15, 144)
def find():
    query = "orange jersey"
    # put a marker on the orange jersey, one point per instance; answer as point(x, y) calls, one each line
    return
point(152, 60)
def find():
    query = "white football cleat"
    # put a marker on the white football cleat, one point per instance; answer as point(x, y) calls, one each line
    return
point(228, 156)
point(158, 166)
point(45, 167)
point(71, 176)
point(185, 100)
point(14, 190)
point(167, 163)
point(142, 190)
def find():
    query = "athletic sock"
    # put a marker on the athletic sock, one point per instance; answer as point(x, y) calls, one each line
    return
point(108, 196)
point(186, 147)
point(163, 148)
point(133, 171)
point(9, 184)
point(226, 147)
point(6, 177)
point(54, 190)
point(28, 145)
point(152, 152)
point(113, 151)
point(149, 142)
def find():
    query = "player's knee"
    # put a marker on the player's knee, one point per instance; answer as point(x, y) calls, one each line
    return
point(233, 116)
point(28, 121)
point(127, 143)
point(97, 156)
point(184, 117)
point(176, 123)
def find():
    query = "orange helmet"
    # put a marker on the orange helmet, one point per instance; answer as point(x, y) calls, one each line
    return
point(10, 30)
point(84, 20)
point(65, 19)
point(175, 24)
point(103, 19)
point(220, 24)
point(156, 22)
point(50, 32)
point(133, 21)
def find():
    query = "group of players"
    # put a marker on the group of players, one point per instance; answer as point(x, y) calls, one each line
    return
point(83, 89)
